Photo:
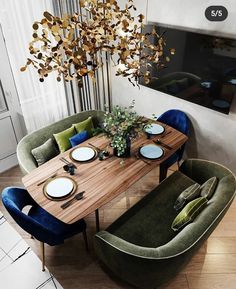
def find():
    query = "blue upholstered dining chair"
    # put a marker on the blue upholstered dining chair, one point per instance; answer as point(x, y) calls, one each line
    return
point(39, 223)
point(178, 120)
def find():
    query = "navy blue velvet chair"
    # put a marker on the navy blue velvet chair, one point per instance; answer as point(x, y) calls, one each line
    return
point(178, 120)
point(39, 223)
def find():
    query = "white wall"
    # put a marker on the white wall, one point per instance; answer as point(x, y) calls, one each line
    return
point(213, 134)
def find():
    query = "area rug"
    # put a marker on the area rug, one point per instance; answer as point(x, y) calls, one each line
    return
point(20, 268)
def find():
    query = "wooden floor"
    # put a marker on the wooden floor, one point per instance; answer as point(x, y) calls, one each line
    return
point(213, 267)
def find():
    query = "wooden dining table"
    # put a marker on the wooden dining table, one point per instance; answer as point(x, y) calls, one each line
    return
point(101, 180)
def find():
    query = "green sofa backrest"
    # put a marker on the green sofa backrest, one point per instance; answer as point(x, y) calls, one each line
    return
point(36, 138)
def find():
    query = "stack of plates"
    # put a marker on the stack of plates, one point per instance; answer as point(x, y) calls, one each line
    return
point(83, 154)
point(59, 188)
point(154, 128)
point(151, 151)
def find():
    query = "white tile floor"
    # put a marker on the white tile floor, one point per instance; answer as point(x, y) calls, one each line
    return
point(20, 268)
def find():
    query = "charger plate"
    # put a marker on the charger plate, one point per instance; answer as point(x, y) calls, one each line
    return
point(83, 154)
point(154, 128)
point(59, 188)
point(151, 152)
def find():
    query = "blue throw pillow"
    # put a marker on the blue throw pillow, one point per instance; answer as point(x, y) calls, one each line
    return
point(79, 138)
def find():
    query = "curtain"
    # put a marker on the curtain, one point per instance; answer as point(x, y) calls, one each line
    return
point(41, 103)
point(92, 95)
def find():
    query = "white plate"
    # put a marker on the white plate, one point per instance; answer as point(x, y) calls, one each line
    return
point(151, 151)
point(83, 154)
point(59, 187)
point(154, 128)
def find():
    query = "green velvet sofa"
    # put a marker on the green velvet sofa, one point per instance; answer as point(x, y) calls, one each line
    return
point(141, 248)
point(25, 158)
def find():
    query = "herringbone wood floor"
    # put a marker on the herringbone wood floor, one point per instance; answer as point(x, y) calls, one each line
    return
point(213, 267)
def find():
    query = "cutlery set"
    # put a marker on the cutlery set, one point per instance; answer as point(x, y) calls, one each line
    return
point(67, 162)
point(77, 197)
point(43, 181)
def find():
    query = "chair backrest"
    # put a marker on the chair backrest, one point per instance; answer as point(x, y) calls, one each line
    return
point(178, 120)
point(14, 200)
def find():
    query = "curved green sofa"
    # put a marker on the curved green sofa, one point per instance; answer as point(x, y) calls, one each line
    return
point(25, 158)
point(141, 248)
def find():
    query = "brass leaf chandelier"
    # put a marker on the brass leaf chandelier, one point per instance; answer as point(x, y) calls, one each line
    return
point(74, 45)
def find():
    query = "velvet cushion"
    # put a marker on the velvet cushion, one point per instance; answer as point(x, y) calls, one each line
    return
point(189, 213)
point(78, 138)
point(85, 125)
point(45, 152)
point(62, 139)
point(186, 196)
point(208, 188)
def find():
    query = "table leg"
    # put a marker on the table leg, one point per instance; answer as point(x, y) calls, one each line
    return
point(163, 172)
point(97, 220)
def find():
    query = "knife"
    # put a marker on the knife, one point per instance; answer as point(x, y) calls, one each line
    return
point(163, 144)
point(77, 197)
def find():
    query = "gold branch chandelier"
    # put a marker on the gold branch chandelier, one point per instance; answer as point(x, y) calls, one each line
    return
point(77, 45)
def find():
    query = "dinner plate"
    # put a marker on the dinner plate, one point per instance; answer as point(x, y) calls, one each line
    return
point(154, 128)
point(83, 154)
point(59, 187)
point(151, 151)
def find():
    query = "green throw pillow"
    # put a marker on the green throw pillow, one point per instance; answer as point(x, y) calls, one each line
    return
point(208, 188)
point(45, 152)
point(186, 196)
point(189, 213)
point(62, 139)
point(85, 125)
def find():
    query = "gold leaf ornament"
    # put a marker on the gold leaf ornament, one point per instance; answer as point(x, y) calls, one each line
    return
point(73, 46)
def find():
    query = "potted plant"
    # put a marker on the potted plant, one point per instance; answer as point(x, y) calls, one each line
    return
point(121, 125)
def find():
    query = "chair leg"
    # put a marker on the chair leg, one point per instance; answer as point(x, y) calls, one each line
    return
point(85, 240)
point(178, 164)
point(163, 172)
point(43, 255)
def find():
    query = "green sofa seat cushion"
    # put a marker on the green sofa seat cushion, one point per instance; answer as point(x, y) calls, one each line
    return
point(148, 223)
point(45, 152)
point(85, 125)
point(189, 213)
point(62, 139)
point(209, 187)
point(186, 196)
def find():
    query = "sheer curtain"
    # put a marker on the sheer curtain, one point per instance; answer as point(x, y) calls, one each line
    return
point(42, 103)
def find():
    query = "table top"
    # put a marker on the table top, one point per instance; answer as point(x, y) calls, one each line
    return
point(101, 180)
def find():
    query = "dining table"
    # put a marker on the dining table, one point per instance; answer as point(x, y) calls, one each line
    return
point(100, 180)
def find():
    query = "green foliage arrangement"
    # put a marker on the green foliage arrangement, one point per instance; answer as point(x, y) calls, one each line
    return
point(121, 125)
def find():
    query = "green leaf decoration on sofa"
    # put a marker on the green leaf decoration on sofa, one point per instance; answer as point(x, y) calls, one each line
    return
point(45, 152)
point(189, 213)
point(62, 139)
point(209, 187)
point(186, 196)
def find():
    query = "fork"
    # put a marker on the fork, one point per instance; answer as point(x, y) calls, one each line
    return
point(139, 158)
point(77, 197)
point(95, 147)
